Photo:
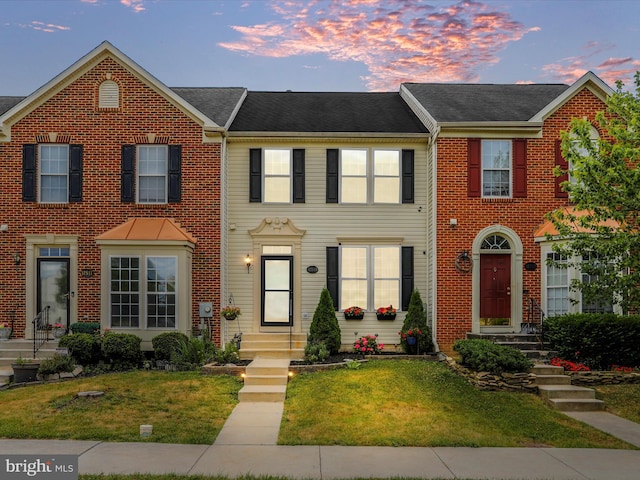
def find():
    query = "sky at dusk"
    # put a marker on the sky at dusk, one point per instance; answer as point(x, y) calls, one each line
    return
point(324, 45)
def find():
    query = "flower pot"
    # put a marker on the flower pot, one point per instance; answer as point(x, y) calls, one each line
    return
point(5, 333)
point(59, 332)
point(386, 316)
point(230, 316)
point(411, 340)
point(26, 372)
point(351, 316)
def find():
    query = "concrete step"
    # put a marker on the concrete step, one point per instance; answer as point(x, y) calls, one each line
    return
point(553, 380)
point(543, 369)
point(576, 404)
point(566, 392)
point(262, 393)
point(6, 376)
point(248, 353)
point(268, 366)
point(273, 345)
point(266, 380)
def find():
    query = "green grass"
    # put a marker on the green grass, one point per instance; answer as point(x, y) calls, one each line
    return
point(185, 407)
point(621, 400)
point(412, 403)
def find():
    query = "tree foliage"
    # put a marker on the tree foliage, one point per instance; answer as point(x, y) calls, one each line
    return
point(324, 327)
point(603, 227)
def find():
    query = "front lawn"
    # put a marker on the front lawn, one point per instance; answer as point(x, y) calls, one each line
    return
point(621, 400)
point(185, 407)
point(413, 403)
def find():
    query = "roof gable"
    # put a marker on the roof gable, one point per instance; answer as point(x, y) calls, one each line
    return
point(84, 64)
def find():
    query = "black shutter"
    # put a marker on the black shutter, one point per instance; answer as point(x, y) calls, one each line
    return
point(255, 175)
point(128, 174)
point(29, 172)
point(75, 173)
point(175, 173)
point(332, 275)
point(332, 175)
point(407, 176)
point(298, 175)
point(407, 276)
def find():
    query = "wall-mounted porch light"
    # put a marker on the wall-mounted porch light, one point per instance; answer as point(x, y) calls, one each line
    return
point(16, 258)
point(247, 262)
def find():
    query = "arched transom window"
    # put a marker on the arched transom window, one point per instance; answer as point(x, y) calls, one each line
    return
point(495, 242)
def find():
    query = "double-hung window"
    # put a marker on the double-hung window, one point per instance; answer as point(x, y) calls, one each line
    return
point(54, 173)
point(557, 285)
point(152, 173)
point(496, 168)
point(277, 175)
point(143, 287)
point(369, 176)
point(370, 276)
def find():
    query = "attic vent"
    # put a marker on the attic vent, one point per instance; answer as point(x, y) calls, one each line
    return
point(109, 95)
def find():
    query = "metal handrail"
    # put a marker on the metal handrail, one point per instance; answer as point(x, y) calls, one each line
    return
point(535, 318)
point(40, 329)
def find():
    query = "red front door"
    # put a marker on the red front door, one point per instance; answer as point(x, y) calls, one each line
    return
point(495, 289)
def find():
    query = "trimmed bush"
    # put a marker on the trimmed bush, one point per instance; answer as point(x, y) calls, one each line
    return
point(228, 354)
point(85, 327)
point(122, 350)
point(486, 356)
point(324, 327)
point(86, 349)
point(56, 364)
point(315, 352)
point(193, 353)
point(598, 340)
point(167, 344)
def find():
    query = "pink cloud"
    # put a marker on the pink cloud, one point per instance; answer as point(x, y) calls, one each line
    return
point(135, 5)
point(398, 40)
point(569, 69)
point(47, 27)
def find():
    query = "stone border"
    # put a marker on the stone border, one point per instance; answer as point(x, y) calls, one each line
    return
point(506, 382)
point(597, 378)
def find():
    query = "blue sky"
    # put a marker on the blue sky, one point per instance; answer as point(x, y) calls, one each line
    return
point(325, 45)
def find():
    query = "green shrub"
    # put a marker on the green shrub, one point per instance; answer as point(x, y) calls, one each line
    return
point(486, 356)
point(598, 340)
point(324, 326)
point(56, 364)
point(85, 327)
point(316, 352)
point(167, 344)
point(193, 353)
point(416, 321)
point(122, 350)
point(86, 349)
point(228, 354)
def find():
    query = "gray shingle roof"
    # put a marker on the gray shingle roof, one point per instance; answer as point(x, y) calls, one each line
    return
point(484, 102)
point(216, 103)
point(329, 112)
point(7, 102)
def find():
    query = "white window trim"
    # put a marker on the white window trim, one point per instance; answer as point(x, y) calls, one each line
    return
point(510, 169)
point(139, 175)
point(40, 174)
point(143, 318)
point(370, 274)
point(370, 176)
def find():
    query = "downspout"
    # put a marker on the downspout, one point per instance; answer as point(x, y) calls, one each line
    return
point(224, 236)
point(433, 143)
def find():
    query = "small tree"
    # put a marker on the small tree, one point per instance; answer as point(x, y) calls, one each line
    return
point(324, 327)
point(603, 241)
point(416, 319)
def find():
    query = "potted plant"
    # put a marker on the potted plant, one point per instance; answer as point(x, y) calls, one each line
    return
point(58, 330)
point(415, 334)
point(411, 336)
point(230, 312)
point(5, 331)
point(354, 313)
point(386, 313)
point(24, 370)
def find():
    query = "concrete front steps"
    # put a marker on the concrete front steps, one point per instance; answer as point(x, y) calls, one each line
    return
point(557, 391)
point(529, 344)
point(273, 345)
point(265, 380)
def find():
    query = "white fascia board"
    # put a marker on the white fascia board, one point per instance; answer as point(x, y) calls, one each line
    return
point(237, 136)
point(233, 115)
point(418, 109)
point(589, 80)
point(84, 64)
